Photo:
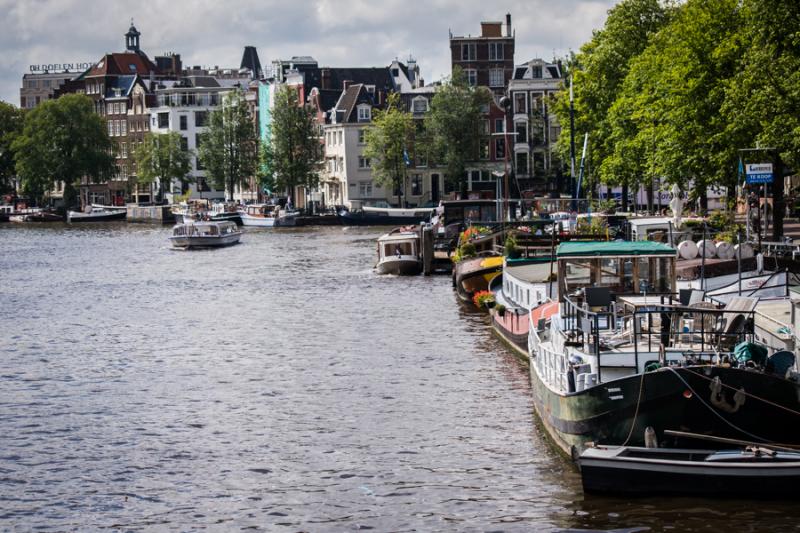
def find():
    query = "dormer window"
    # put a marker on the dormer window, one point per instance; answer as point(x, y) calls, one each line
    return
point(364, 113)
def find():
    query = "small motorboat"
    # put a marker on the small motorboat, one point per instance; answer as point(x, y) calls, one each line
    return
point(753, 472)
point(97, 213)
point(35, 214)
point(399, 253)
point(205, 234)
point(268, 215)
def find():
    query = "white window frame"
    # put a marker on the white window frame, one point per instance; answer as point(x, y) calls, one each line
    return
point(363, 162)
point(472, 76)
point(419, 100)
point(362, 136)
point(496, 77)
point(496, 52)
point(364, 113)
point(469, 51)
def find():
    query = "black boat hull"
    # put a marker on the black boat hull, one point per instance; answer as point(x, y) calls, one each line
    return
point(671, 399)
point(661, 475)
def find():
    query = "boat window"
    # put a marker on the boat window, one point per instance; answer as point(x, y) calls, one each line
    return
point(404, 248)
point(578, 274)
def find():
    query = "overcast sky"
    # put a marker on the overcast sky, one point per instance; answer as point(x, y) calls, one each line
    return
point(337, 33)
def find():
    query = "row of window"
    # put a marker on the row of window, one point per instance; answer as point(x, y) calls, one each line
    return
point(496, 77)
point(189, 99)
point(537, 101)
point(336, 137)
point(116, 108)
point(161, 120)
point(469, 51)
point(117, 128)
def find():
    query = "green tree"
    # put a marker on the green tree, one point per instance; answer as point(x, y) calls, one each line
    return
point(598, 72)
point(453, 126)
point(229, 147)
point(294, 153)
point(763, 104)
point(161, 157)
point(11, 120)
point(62, 140)
point(667, 120)
point(387, 140)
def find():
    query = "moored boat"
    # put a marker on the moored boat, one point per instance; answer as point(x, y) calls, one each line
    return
point(384, 216)
point(622, 354)
point(753, 472)
point(267, 216)
point(399, 253)
point(97, 214)
point(205, 234)
point(35, 214)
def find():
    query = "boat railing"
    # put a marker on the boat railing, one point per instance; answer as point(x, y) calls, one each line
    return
point(550, 361)
point(700, 331)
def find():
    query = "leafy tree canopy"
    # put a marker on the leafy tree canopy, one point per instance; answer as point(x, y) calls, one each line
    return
point(387, 141)
point(454, 125)
point(294, 153)
point(62, 140)
point(229, 147)
point(161, 157)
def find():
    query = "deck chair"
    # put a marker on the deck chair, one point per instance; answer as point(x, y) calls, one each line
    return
point(731, 325)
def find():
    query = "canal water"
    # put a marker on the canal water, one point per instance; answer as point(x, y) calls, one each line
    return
point(277, 385)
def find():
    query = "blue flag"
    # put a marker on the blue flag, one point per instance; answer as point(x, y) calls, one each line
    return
point(406, 158)
point(741, 170)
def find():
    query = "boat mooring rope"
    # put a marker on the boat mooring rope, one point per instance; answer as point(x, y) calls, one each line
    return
point(768, 402)
point(731, 424)
point(635, 413)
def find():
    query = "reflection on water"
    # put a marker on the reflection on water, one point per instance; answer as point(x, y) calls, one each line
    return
point(279, 382)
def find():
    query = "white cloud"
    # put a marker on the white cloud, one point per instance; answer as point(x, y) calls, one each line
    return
point(335, 32)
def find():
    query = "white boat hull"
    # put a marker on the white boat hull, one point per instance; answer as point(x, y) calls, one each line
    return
point(78, 216)
point(400, 266)
point(261, 222)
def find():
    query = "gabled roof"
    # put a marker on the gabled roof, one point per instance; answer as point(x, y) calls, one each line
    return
point(123, 63)
point(347, 101)
point(202, 81)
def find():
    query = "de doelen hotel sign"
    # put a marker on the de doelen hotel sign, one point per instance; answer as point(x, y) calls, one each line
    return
point(759, 173)
point(60, 67)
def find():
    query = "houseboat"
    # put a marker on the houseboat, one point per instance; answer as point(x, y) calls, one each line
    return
point(620, 353)
point(267, 216)
point(382, 216)
point(205, 234)
point(97, 214)
point(399, 253)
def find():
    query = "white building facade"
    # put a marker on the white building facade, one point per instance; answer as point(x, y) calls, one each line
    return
point(186, 110)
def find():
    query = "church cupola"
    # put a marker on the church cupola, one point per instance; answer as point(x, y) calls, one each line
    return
point(132, 38)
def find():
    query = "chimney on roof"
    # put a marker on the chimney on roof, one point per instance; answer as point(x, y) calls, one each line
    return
point(346, 84)
point(491, 29)
point(508, 24)
point(325, 81)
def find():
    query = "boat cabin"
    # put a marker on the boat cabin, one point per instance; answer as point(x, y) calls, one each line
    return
point(215, 229)
point(261, 210)
point(620, 266)
point(399, 244)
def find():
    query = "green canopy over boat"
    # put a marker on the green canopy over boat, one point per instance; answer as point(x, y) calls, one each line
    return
point(613, 248)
